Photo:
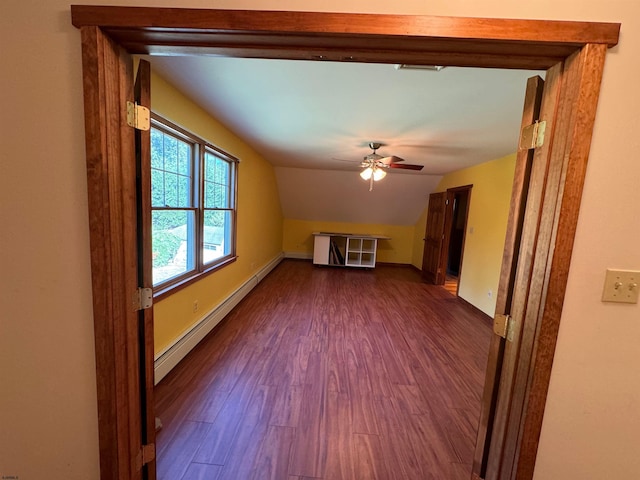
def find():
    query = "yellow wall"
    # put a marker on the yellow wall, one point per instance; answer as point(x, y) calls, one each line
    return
point(486, 228)
point(419, 231)
point(298, 238)
point(259, 218)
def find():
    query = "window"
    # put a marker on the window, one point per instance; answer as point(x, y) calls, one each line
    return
point(193, 198)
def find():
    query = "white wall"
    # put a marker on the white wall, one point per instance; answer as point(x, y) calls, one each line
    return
point(399, 200)
point(47, 382)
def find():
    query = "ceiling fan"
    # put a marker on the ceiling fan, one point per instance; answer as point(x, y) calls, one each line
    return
point(374, 165)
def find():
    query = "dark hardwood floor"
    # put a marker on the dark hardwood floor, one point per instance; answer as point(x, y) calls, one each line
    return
point(451, 284)
point(329, 373)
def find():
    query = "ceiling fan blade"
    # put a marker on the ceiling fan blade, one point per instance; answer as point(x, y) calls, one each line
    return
point(406, 166)
point(391, 159)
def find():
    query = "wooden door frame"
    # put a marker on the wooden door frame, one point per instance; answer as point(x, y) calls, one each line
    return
point(470, 42)
point(448, 223)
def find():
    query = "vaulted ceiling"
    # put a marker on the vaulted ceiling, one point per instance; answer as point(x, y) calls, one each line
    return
point(313, 121)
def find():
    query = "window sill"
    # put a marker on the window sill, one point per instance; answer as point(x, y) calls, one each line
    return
point(164, 291)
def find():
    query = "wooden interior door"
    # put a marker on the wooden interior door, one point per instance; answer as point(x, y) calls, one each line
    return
point(522, 301)
point(519, 280)
point(533, 98)
point(142, 92)
point(434, 239)
point(111, 181)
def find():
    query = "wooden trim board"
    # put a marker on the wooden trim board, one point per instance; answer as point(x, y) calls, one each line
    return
point(319, 36)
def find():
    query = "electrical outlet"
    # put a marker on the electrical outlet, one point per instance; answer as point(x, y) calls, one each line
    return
point(621, 286)
point(195, 306)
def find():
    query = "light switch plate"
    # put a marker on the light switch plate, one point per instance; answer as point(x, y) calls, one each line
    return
point(621, 286)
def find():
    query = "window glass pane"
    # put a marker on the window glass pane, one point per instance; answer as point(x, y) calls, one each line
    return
point(171, 171)
point(184, 159)
point(221, 198)
point(217, 240)
point(157, 188)
point(184, 191)
point(171, 190)
point(173, 243)
point(217, 182)
point(209, 195)
point(209, 166)
point(177, 190)
point(222, 172)
point(157, 149)
point(170, 153)
point(215, 195)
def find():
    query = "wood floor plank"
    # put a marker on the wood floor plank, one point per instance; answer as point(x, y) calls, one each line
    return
point(207, 406)
point(459, 471)
point(217, 444)
point(361, 393)
point(434, 456)
point(176, 460)
point(400, 442)
point(309, 454)
point(288, 363)
point(338, 379)
point(202, 471)
point(369, 457)
point(287, 405)
point(460, 427)
point(243, 450)
point(340, 462)
point(273, 458)
point(329, 373)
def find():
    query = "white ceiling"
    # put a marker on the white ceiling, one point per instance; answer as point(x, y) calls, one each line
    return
point(321, 116)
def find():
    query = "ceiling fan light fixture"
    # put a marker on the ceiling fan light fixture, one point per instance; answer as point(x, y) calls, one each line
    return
point(378, 174)
point(366, 173)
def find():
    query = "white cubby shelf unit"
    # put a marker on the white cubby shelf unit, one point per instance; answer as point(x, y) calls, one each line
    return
point(345, 249)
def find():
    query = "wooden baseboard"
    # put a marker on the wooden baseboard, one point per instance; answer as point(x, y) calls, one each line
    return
point(393, 264)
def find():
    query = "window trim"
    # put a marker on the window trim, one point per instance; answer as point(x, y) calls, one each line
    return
point(201, 147)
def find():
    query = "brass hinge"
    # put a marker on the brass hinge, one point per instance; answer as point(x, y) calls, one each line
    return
point(503, 326)
point(142, 298)
point(532, 136)
point(138, 116)
point(146, 455)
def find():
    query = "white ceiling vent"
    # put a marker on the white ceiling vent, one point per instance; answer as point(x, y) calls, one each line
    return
point(433, 68)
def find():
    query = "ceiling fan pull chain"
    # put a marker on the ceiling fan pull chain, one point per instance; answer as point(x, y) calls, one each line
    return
point(371, 183)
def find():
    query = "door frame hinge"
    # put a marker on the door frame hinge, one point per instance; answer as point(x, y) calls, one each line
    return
point(503, 326)
point(138, 116)
point(532, 136)
point(146, 455)
point(142, 298)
